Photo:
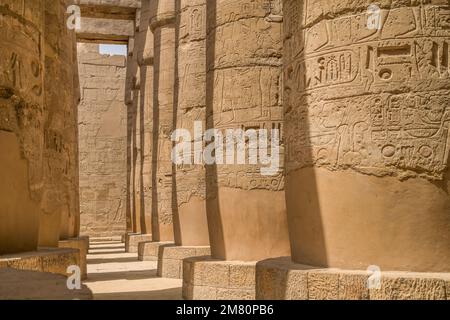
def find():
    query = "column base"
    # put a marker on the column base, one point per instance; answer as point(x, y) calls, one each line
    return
point(51, 260)
point(32, 285)
point(148, 250)
point(82, 244)
point(170, 259)
point(132, 241)
point(281, 279)
point(207, 279)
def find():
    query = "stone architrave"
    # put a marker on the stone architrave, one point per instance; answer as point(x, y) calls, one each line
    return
point(367, 112)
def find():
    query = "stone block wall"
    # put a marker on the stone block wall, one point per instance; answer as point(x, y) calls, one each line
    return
point(102, 142)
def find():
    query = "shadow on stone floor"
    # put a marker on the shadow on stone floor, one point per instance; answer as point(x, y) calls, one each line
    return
point(110, 260)
point(166, 294)
point(99, 252)
point(122, 275)
point(118, 275)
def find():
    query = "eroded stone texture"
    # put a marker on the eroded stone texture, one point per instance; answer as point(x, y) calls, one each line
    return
point(247, 217)
point(170, 259)
point(191, 227)
point(367, 118)
point(21, 123)
point(53, 260)
point(209, 279)
point(60, 203)
point(103, 143)
point(29, 285)
point(81, 244)
point(281, 279)
point(162, 23)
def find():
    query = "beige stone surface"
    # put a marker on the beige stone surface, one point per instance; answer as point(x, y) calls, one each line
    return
point(205, 278)
point(105, 30)
point(149, 250)
point(103, 143)
point(60, 207)
point(170, 259)
point(367, 135)
point(82, 244)
point(132, 241)
point(281, 279)
point(190, 220)
point(145, 57)
point(162, 23)
point(246, 210)
point(30, 285)
point(52, 260)
point(120, 276)
point(22, 117)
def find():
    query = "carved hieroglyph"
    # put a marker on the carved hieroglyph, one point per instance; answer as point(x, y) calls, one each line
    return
point(247, 80)
point(376, 100)
point(162, 24)
point(21, 123)
point(190, 214)
point(244, 59)
point(60, 202)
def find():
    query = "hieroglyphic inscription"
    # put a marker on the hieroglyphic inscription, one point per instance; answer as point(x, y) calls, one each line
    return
point(375, 101)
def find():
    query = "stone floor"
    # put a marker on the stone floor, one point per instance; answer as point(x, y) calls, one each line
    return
point(114, 274)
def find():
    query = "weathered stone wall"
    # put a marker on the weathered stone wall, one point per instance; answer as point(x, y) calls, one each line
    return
point(102, 143)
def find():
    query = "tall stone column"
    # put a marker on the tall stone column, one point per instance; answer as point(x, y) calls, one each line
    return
point(145, 61)
point(190, 221)
point(191, 227)
point(247, 216)
point(367, 130)
point(59, 219)
point(246, 209)
point(141, 168)
point(131, 71)
point(368, 119)
point(162, 23)
point(22, 119)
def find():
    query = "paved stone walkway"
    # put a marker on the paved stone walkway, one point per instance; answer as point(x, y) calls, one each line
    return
point(114, 274)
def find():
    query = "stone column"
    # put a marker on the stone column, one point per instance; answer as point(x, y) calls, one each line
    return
point(162, 27)
point(145, 61)
point(22, 119)
point(367, 117)
point(191, 228)
point(130, 129)
point(162, 24)
point(190, 222)
point(60, 203)
point(247, 216)
point(142, 212)
point(246, 206)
